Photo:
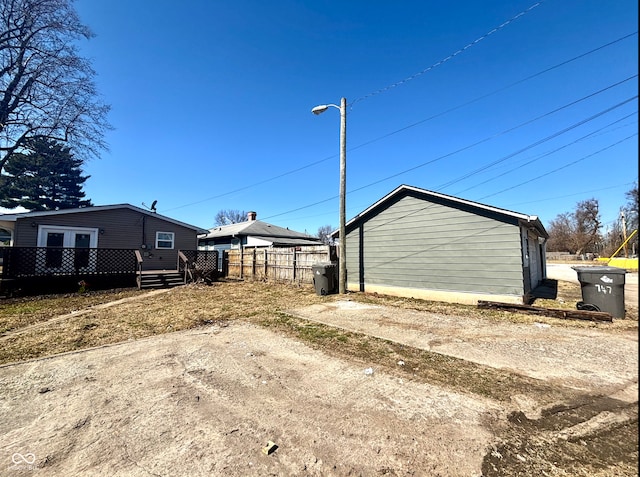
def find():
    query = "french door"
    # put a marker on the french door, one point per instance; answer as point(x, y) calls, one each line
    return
point(68, 249)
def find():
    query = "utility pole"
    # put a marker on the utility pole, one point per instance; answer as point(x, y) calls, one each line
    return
point(342, 263)
point(342, 257)
point(624, 234)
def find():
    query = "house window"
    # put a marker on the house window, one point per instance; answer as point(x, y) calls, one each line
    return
point(164, 240)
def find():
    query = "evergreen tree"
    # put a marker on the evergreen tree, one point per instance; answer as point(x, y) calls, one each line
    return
point(45, 177)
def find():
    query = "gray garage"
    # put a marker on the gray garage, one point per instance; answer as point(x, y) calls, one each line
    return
point(418, 243)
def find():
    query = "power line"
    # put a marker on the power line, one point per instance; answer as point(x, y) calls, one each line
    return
point(477, 171)
point(303, 207)
point(460, 106)
point(428, 206)
point(494, 92)
point(240, 189)
point(546, 199)
point(451, 56)
point(540, 156)
point(560, 168)
point(530, 146)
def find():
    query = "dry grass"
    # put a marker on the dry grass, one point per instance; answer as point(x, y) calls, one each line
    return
point(17, 313)
point(34, 327)
point(420, 365)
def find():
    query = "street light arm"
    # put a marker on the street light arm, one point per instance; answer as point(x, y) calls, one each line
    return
point(323, 107)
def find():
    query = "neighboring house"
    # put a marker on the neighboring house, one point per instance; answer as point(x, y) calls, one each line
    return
point(70, 241)
point(423, 244)
point(252, 233)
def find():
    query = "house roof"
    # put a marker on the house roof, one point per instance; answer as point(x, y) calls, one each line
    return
point(261, 230)
point(95, 208)
point(451, 201)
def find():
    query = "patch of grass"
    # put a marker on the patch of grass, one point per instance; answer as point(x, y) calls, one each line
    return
point(16, 313)
point(150, 314)
point(417, 364)
point(308, 331)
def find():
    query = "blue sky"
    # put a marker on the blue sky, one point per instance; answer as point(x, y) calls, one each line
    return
point(211, 104)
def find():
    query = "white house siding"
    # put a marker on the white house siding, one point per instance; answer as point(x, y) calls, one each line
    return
point(256, 242)
point(417, 245)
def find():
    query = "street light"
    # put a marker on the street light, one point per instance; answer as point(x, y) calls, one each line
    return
point(342, 259)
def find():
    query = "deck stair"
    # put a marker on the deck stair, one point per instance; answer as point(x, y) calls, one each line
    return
point(160, 279)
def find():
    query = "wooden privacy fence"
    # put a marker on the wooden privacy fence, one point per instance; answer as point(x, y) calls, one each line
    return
point(281, 264)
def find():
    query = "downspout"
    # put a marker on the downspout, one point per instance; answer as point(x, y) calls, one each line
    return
point(144, 235)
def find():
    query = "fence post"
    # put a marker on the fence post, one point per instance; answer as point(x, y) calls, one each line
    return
point(241, 262)
point(253, 265)
point(266, 269)
point(294, 264)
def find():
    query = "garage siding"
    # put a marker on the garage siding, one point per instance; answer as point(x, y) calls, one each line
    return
point(419, 244)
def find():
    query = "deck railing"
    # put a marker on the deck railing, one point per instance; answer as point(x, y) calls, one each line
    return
point(26, 267)
point(21, 262)
point(185, 266)
point(198, 264)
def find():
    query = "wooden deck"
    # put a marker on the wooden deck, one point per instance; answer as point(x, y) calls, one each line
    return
point(46, 270)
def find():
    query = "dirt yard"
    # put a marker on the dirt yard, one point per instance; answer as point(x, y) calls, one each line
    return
point(295, 384)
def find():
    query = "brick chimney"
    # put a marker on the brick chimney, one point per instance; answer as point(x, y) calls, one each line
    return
point(251, 215)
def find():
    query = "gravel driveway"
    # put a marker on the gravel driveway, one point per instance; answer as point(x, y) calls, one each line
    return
point(208, 401)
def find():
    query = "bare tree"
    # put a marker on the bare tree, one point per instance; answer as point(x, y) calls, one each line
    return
point(324, 233)
point(630, 213)
point(631, 207)
point(561, 234)
point(611, 240)
point(46, 88)
point(587, 223)
point(229, 216)
point(576, 232)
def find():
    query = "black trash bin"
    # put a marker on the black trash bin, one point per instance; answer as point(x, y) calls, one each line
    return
point(325, 278)
point(602, 289)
